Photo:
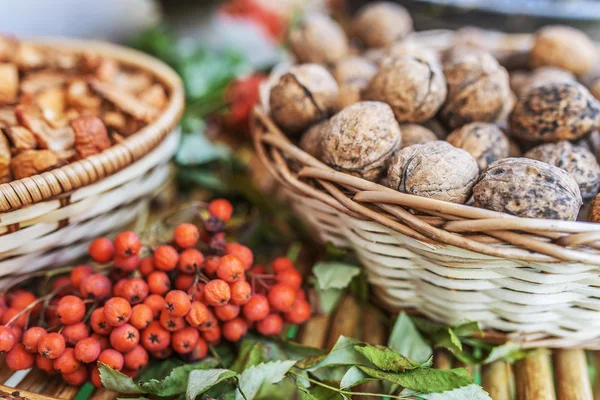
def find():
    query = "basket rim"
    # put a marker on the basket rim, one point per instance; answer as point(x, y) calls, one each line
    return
point(60, 181)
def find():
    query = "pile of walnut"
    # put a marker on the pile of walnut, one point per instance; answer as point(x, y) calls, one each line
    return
point(58, 107)
point(510, 132)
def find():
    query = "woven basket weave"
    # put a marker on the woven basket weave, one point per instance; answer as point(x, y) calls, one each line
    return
point(528, 280)
point(48, 219)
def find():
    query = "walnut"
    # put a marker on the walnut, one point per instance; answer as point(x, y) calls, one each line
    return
point(361, 139)
point(436, 170)
point(478, 90)
point(90, 136)
point(312, 140)
point(318, 39)
point(352, 75)
point(303, 96)
point(555, 111)
point(414, 87)
point(528, 188)
point(32, 162)
point(563, 47)
point(592, 143)
point(514, 149)
point(125, 101)
point(576, 160)
point(5, 156)
point(409, 48)
point(416, 134)
point(484, 141)
point(9, 83)
point(521, 82)
point(47, 137)
point(21, 137)
point(380, 24)
point(595, 210)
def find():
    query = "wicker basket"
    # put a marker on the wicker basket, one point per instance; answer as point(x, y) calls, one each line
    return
point(48, 219)
point(529, 280)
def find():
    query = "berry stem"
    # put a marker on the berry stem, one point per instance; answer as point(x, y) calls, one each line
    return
point(35, 303)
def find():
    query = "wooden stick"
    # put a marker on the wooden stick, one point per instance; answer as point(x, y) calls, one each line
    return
point(314, 331)
point(534, 378)
point(7, 393)
point(572, 378)
point(441, 359)
point(373, 332)
point(345, 320)
point(495, 379)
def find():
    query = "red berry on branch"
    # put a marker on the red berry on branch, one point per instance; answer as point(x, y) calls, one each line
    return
point(227, 312)
point(70, 310)
point(184, 281)
point(211, 264)
point(156, 304)
point(235, 329)
point(141, 316)
point(31, 337)
point(158, 282)
point(199, 351)
point(198, 314)
point(221, 209)
point(136, 359)
point(12, 313)
point(7, 339)
point(299, 313)
point(185, 340)
point(240, 293)
point(87, 350)
point(117, 311)
point(147, 266)
point(78, 377)
point(135, 290)
point(170, 322)
point(127, 264)
point(45, 364)
point(212, 335)
point(190, 261)
point(52, 345)
point(20, 299)
point(282, 263)
point(230, 269)
point(127, 244)
point(217, 292)
point(67, 363)
point(99, 323)
point(165, 258)
point(290, 277)
point(271, 325)
point(112, 358)
point(186, 235)
point(124, 338)
point(243, 253)
point(256, 308)
point(155, 337)
point(18, 358)
point(162, 354)
point(101, 250)
point(96, 286)
point(281, 296)
point(95, 376)
point(177, 303)
point(74, 333)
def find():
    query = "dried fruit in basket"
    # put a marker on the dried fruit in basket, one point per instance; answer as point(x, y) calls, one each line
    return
point(316, 38)
point(563, 47)
point(484, 141)
point(352, 75)
point(416, 134)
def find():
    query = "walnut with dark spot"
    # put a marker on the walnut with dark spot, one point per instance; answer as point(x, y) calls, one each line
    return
point(352, 75)
point(416, 134)
point(436, 170)
point(302, 97)
point(414, 87)
point(555, 111)
point(520, 82)
point(484, 141)
point(381, 23)
point(361, 139)
point(528, 188)
point(576, 160)
point(318, 39)
point(478, 90)
point(563, 47)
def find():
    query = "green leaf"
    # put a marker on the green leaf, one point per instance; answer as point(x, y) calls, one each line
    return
point(200, 381)
point(251, 353)
point(467, 329)
point(317, 392)
point(328, 299)
point(116, 381)
point(343, 353)
point(250, 381)
point(297, 351)
point(424, 380)
point(334, 275)
point(406, 340)
point(447, 339)
point(176, 381)
point(354, 376)
point(508, 351)
point(196, 149)
point(470, 392)
point(387, 359)
point(159, 369)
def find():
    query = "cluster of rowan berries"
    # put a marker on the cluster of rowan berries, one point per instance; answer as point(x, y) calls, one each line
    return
point(180, 298)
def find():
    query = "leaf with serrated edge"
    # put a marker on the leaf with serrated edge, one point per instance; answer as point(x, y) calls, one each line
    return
point(508, 351)
point(386, 359)
point(447, 339)
point(470, 392)
point(116, 381)
point(343, 353)
point(467, 329)
point(354, 376)
point(251, 353)
point(424, 380)
point(250, 381)
point(200, 381)
point(406, 340)
point(334, 274)
point(175, 382)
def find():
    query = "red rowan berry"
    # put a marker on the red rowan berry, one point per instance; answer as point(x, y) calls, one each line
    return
point(21, 299)
point(156, 304)
point(117, 311)
point(74, 333)
point(162, 354)
point(300, 294)
point(118, 288)
point(211, 264)
point(240, 293)
point(198, 314)
point(256, 308)
point(101, 250)
point(177, 303)
point(99, 323)
point(12, 313)
point(52, 345)
point(217, 292)
point(165, 258)
point(70, 310)
point(281, 296)
point(197, 293)
point(221, 208)
point(186, 235)
point(299, 313)
point(290, 277)
point(95, 286)
point(183, 281)
point(45, 364)
point(230, 269)
point(170, 322)
point(62, 286)
point(136, 358)
point(185, 340)
point(141, 316)
point(7, 339)
point(147, 266)
point(227, 312)
point(243, 253)
point(127, 244)
point(282, 263)
point(112, 358)
point(103, 340)
point(210, 323)
point(135, 290)
point(199, 351)
point(235, 329)
point(95, 376)
point(18, 358)
point(270, 325)
point(155, 337)
point(212, 335)
point(130, 373)
point(87, 350)
point(127, 264)
point(158, 282)
point(190, 261)
point(66, 363)
point(17, 332)
point(78, 377)
point(2, 311)
point(124, 338)
point(258, 270)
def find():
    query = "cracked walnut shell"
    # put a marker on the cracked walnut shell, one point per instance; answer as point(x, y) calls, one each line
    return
point(484, 141)
point(576, 160)
point(361, 139)
point(563, 47)
point(381, 23)
point(555, 111)
point(528, 188)
point(318, 39)
point(435, 170)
